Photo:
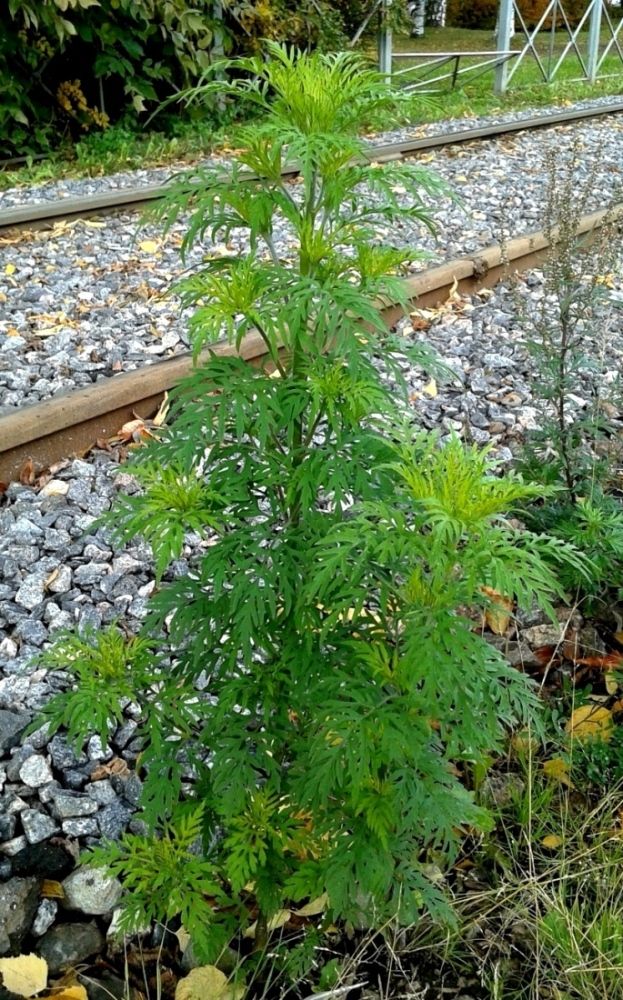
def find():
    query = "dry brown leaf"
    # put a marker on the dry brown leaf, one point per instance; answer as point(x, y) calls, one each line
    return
point(24, 975)
point(420, 321)
point(133, 430)
point(115, 766)
point(607, 661)
point(27, 473)
point(52, 890)
point(183, 938)
point(498, 614)
point(590, 721)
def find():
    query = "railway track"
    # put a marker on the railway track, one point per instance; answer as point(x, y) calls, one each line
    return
point(70, 423)
point(45, 214)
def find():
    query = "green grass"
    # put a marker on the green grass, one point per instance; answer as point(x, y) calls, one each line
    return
point(475, 97)
point(123, 148)
point(118, 148)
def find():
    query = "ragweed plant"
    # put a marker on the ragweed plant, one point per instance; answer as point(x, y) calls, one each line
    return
point(323, 681)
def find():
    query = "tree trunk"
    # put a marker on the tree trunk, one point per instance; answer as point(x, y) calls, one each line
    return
point(436, 13)
point(417, 13)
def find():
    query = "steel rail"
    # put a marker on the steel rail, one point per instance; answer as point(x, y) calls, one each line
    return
point(71, 422)
point(44, 214)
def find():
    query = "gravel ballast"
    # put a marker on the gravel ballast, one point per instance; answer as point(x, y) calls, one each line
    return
point(57, 799)
point(86, 300)
point(81, 187)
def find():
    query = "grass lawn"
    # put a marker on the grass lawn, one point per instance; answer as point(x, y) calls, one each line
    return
point(474, 93)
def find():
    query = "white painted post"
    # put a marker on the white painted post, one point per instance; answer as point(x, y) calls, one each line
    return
point(385, 42)
point(594, 32)
point(217, 47)
point(503, 43)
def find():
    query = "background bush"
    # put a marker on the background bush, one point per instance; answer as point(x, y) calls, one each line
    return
point(472, 13)
point(482, 14)
point(70, 67)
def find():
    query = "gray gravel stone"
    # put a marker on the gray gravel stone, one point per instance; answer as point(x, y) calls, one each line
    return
point(8, 824)
point(102, 792)
point(68, 805)
point(31, 592)
point(35, 771)
point(84, 826)
point(63, 755)
point(12, 725)
point(18, 903)
point(45, 917)
point(68, 944)
point(38, 826)
point(14, 846)
point(113, 820)
point(61, 583)
point(91, 891)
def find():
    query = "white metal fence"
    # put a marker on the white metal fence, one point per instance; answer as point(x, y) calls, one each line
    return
point(595, 39)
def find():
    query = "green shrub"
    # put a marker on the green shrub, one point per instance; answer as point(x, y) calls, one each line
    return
point(482, 14)
point(325, 618)
point(478, 14)
point(69, 67)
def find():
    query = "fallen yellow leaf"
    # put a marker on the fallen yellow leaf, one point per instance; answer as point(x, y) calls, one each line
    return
point(552, 841)
point(163, 410)
point(279, 919)
point(607, 280)
point(75, 992)
point(207, 983)
point(148, 246)
point(24, 975)
point(314, 908)
point(431, 389)
point(497, 615)
point(590, 721)
point(183, 938)
point(558, 770)
point(523, 743)
point(10, 269)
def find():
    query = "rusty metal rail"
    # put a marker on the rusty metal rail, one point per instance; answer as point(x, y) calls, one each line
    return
point(45, 214)
point(70, 423)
